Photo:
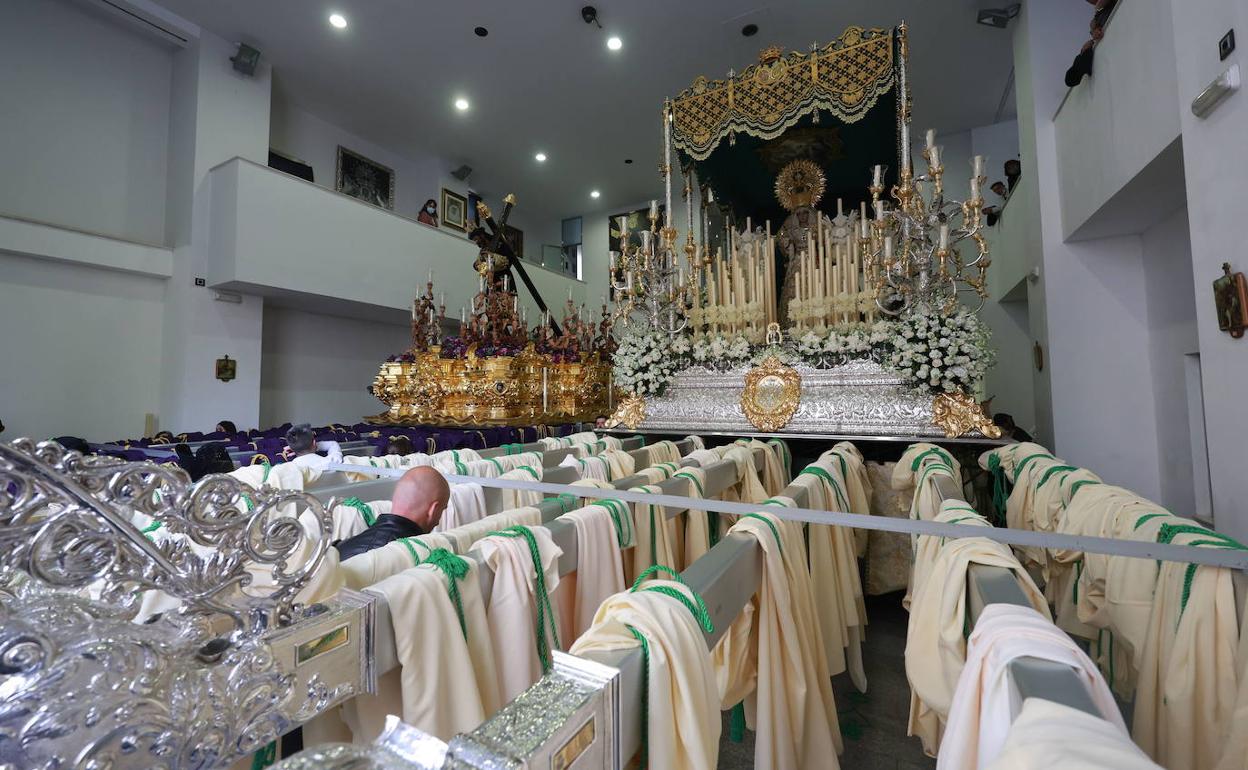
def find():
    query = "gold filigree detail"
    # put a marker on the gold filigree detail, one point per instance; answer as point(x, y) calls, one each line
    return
point(957, 414)
point(800, 183)
point(772, 393)
point(629, 414)
point(844, 78)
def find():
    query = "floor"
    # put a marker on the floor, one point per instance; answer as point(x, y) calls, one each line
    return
point(873, 724)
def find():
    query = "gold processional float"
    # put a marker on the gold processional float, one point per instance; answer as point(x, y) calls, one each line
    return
point(840, 322)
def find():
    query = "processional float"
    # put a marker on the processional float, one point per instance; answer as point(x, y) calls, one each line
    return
point(815, 326)
point(496, 370)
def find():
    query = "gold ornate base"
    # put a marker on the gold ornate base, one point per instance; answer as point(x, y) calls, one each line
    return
point(959, 413)
point(497, 391)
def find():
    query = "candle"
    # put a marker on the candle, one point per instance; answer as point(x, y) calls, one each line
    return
point(654, 209)
point(431, 275)
point(524, 316)
point(413, 310)
point(878, 178)
point(506, 283)
point(979, 166)
point(862, 220)
point(931, 138)
point(934, 158)
point(905, 146)
point(442, 299)
point(569, 294)
point(463, 316)
point(888, 247)
point(481, 283)
point(944, 237)
point(879, 211)
point(839, 210)
point(667, 160)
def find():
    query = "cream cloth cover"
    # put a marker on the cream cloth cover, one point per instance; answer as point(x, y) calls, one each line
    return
point(697, 539)
point(698, 443)
point(834, 575)
point(513, 605)
point(857, 486)
point(1185, 698)
point(683, 722)
point(349, 520)
point(663, 452)
point(591, 467)
point(935, 647)
point(928, 547)
point(791, 708)
point(467, 504)
point(704, 457)
point(748, 488)
point(447, 686)
point(620, 463)
point(599, 566)
point(918, 469)
point(1049, 736)
point(979, 717)
point(655, 537)
point(774, 477)
point(521, 498)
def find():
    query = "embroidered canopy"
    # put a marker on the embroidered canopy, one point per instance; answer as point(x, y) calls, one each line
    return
point(836, 105)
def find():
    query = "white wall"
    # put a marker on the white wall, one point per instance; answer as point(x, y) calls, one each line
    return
point(315, 367)
point(1116, 122)
point(81, 349)
point(85, 128)
point(1216, 168)
point(1172, 335)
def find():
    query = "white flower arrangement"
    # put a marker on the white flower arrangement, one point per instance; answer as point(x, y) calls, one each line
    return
point(941, 353)
point(644, 363)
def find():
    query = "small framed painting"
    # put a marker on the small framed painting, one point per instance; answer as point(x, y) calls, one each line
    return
point(454, 210)
point(362, 178)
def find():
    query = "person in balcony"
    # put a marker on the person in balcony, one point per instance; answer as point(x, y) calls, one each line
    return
point(1082, 65)
point(1013, 170)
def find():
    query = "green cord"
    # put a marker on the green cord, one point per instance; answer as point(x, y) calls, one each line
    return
point(1074, 589)
point(455, 568)
point(1080, 484)
point(775, 532)
point(1000, 493)
point(1146, 517)
point(815, 470)
point(918, 460)
point(1048, 474)
point(265, 756)
point(365, 510)
point(645, 694)
point(1018, 469)
point(407, 543)
point(621, 519)
point(544, 609)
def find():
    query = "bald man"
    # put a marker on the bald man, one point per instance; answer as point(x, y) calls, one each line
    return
point(419, 499)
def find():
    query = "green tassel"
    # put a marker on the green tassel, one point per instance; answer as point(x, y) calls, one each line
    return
point(265, 756)
point(736, 723)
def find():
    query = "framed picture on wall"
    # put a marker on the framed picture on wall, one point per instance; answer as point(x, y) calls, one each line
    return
point(359, 177)
point(454, 210)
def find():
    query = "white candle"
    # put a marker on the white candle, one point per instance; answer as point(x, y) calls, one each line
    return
point(481, 283)
point(888, 247)
point(862, 219)
point(654, 209)
point(979, 166)
point(506, 283)
point(667, 160)
point(442, 299)
point(931, 138)
point(413, 310)
point(463, 316)
point(879, 211)
point(431, 275)
point(878, 178)
point(934, 158)
point(569, 294)
point(944, 237)
point(839, 208)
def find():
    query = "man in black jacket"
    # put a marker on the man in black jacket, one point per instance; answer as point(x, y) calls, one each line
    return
point(416, 508)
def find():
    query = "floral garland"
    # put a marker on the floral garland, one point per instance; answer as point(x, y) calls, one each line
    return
point(942, 353)
point(936, 353)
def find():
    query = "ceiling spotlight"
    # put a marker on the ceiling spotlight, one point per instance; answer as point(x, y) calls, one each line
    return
point(594, 194)
point(628, 160)
point(749, 30)
point(590, 14)
point(998, 18)
point(614, 43)
point(461, 104)
point(540, 157)
point(338, 20)
point(480, 31)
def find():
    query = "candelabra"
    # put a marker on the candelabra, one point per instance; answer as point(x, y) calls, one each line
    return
point(426, 330)
point(911, 253)
point(653, 292)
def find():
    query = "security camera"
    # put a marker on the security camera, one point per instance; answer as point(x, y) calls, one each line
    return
point(590, 14)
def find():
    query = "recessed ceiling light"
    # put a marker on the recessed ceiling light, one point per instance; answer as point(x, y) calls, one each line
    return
point(594, 194)
point(481, 31)
point(614, 43)
point(749, 30)
point(628, 160)
point(461, 104)
point(338, 20)
point(540, 157)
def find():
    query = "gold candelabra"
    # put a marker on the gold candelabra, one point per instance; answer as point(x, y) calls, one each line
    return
point(653, 291)
point(910, 248)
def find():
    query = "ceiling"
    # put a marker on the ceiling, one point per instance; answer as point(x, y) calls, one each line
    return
point(544, 80)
